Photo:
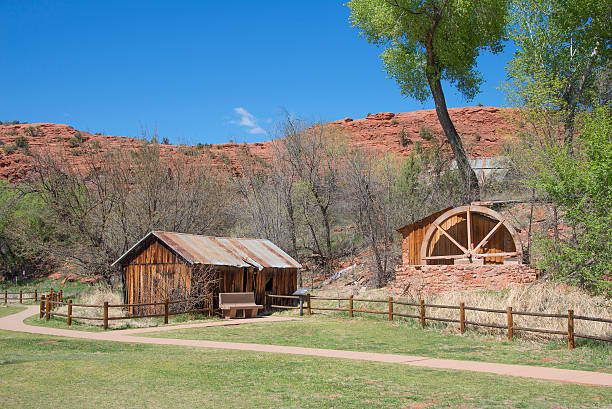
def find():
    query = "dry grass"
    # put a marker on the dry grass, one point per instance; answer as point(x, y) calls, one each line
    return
point(98, 297)
point(539, 297)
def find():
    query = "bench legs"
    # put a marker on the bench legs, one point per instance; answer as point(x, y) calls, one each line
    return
point(246, 312)
point(250, 312)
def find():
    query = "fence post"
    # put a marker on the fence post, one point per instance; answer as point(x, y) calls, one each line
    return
point(5, 296)
point(69, 315)
point(390, 308)
point(265, 304)
point(308, 304)
point(422, 313)
point(510, 324)
point(42, 306)
point(105, 314)
point(351, 306)
point(211, 304)
point(462, 317)
point(570, 329)
point(61, 296)
point(48, 308)
point(35, 295)
point(20, 296)
point(166, 311)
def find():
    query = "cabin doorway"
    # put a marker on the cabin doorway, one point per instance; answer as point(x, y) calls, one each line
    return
point(248, 280)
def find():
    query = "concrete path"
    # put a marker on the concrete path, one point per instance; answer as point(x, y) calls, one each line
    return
point(15, 323)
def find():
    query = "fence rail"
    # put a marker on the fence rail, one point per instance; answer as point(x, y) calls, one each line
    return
point(21, 296)
point(53, 300)
point(422, 307)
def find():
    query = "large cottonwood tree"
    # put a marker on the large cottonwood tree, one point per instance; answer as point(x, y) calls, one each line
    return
point(563, 54)
point(428, 41)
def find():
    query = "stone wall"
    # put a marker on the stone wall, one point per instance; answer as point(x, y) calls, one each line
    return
point(435, 279)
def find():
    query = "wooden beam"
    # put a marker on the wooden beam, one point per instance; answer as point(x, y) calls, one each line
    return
point(485, 255)
point(465, 251)
point(469, 230)
point(488, 236)
point(450, 256)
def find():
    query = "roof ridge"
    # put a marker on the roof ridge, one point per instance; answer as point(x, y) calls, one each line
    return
point(207, 235)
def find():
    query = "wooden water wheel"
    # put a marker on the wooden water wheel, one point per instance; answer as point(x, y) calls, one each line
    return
point(471, 235)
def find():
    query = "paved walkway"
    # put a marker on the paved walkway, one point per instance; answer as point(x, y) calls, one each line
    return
point(15, 323)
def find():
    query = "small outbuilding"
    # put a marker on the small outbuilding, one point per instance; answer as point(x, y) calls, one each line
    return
point(467, 247)
point(463, 235)
point(168, 265)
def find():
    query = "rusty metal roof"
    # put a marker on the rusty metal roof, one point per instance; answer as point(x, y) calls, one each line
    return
point(225, 251)
point(487, 167)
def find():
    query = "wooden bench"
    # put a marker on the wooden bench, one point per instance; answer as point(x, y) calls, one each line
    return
point(230, 303)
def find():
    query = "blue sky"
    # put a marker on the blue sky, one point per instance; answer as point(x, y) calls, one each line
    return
point(196, 71)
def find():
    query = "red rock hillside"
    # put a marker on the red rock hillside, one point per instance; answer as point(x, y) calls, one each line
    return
point(483, 130)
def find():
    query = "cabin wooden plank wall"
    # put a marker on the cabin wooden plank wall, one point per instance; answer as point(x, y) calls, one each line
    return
point(277, 281)
point(415, 238)
point(154, 274)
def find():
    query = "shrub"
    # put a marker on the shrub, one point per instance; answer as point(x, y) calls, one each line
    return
point(14, 132)
point(394, 121)
point(95, 144)
point(76, 140)
point(189, 152)
point(22, 142)
point(225, 159)
point(579, 183)
point(404, 140)
point(9, 149)
point(33, 131)
point(478, 137)
point(75, 152)
point(426, 134)
point(165, 141)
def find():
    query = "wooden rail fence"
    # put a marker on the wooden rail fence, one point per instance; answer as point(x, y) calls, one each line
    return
point(461, 320)
point(54, 300)
point(21, 296)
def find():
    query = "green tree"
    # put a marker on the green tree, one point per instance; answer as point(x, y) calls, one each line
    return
point(429, 41)
point(563, 55)
point(580, 184)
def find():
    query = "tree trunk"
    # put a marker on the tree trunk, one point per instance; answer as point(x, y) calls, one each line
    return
point(572, 97)
point(469, 176)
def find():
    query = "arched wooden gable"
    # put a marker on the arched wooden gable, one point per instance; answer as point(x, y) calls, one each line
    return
point(470, 235)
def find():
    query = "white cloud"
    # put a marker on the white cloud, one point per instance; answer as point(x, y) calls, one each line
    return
point(248, 120)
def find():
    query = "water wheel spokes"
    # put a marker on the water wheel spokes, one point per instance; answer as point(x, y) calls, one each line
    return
point(472, 251)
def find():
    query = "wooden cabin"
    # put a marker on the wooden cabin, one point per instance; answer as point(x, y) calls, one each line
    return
point(167, 265)
point(463, 235)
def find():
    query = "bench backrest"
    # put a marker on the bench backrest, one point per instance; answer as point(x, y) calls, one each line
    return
point(231, 298)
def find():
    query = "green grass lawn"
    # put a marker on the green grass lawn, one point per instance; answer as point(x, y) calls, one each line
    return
point(9, 310)
point(405, 338)
point(60, 322)
point(41, 371)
